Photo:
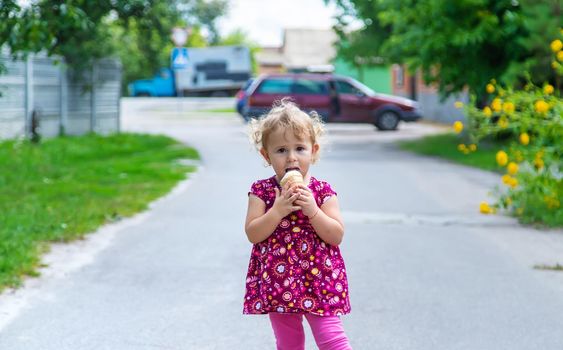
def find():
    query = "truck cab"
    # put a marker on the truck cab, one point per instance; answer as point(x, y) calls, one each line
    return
point(162, 84)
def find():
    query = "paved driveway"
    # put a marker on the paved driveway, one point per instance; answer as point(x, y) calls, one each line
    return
point(426, 270)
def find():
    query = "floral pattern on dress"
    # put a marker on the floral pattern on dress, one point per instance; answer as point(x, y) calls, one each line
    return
point(294, 270)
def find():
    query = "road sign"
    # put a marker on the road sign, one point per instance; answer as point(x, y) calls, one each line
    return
point(179, 58)
point(180, 36)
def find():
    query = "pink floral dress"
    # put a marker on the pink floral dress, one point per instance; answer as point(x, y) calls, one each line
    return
point(294, 270)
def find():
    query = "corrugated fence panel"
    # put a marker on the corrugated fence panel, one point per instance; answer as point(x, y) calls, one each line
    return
point(108, 90)
point(46, 92)
point(12, 90)
point(49, 101)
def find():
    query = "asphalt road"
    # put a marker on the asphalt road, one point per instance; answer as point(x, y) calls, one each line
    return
point(427, 272)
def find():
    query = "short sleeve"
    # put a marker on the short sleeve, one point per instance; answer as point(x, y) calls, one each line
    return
point(325, 192)
point(257, 189)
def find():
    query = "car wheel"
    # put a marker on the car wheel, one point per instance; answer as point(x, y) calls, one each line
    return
point(388, 120)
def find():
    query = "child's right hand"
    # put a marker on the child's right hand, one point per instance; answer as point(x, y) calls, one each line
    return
point(283, 204)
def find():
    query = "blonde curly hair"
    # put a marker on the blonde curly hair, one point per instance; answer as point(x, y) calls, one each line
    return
point(286, 115)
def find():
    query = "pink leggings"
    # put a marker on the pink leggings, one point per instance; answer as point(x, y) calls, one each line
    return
point(328, 332)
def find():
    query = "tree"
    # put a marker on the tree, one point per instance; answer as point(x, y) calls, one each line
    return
point(205, 14)
point(456, 44)
point(362, 47)
point(81, 31)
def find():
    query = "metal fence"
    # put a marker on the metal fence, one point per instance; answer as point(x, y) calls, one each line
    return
point(62, 102)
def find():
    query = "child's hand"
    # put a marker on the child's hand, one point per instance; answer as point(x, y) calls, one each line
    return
point(284, 203)
point(307, 201)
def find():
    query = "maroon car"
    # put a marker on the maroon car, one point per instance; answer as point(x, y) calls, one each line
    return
point(336, 98)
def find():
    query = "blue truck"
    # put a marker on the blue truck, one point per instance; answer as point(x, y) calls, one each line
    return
point(209, 71)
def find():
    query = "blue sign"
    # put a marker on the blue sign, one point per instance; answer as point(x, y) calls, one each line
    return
point(179, 58)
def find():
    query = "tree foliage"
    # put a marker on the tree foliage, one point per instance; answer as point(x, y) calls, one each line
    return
point(81, 31)
point(456, 44)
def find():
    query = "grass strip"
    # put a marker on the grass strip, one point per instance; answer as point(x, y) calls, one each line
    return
point(555, 267)
point(445, 146)
point(219, 110)
point(65, 187)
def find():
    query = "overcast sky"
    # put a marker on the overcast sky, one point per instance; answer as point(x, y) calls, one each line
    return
point(264, 20)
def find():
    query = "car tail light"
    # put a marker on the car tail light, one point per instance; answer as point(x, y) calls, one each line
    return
point(239, 95)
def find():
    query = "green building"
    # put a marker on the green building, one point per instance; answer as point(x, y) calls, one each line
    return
point(376, 77)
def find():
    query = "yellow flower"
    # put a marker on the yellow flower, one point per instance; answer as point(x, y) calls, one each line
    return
point(508, 201)
point(554, 64)
point(502, 158)
point(508, 107)
point(560, 56)
point(556, 45)
point(513, 182)
point(490, 88)
point(458, 127)
point(519, 157)
point(472, 147)
point(461, 147)
point(496, 105)
point(506, 179)
point(541, 106)
point(538, 163)
point(512, 168)
point(487, 111)
point(485, 208)
point(458, 104)
point(548, 89)
point(503, 123)
point(524, 139)
point(554, 203)
point(540, 153)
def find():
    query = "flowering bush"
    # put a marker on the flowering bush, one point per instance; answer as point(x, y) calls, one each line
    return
point(531, 120)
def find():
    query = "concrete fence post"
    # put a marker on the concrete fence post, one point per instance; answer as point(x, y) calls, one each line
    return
point(93, 98)
point(119, 87)
point(29, 102)
point(63, 100)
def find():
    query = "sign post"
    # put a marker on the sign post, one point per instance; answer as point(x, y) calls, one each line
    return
point(179, 56)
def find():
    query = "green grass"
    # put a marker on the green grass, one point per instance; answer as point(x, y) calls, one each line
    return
point(219, 110)
point(445, 146)
point(65, 187)
point(555, 267)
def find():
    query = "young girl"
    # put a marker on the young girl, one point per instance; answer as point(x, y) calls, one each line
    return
point(295, 266)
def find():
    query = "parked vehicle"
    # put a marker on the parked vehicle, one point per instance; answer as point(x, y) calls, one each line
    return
point(242, 96)
point(336, 98)
point(208, 71)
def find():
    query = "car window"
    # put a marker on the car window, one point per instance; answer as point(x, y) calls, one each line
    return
point(345, 88)
point(164, 74)
point(275, 86)
point(312, 87)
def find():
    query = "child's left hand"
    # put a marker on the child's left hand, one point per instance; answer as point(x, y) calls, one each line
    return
point(306, 201)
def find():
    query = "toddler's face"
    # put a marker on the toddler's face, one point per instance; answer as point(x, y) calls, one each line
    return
point(285, 152)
